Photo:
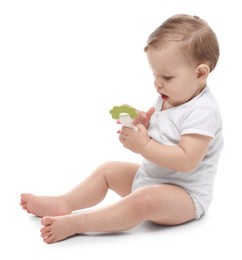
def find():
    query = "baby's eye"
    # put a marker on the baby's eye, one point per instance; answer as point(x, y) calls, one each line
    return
point(168, 78)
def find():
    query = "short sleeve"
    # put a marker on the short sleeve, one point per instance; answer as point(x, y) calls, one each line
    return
point(201, 119)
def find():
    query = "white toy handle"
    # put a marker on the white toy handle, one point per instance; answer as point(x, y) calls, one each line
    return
point(126, 120)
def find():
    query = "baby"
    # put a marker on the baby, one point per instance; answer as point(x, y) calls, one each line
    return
point(179, 140)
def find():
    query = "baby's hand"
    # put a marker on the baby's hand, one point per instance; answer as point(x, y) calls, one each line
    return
point(135, 141)
point(144, 117)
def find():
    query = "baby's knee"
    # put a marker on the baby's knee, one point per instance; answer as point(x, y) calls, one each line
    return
point(144, 198)
point(106, 167)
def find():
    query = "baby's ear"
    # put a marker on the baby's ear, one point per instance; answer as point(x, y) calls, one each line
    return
point(202, 71)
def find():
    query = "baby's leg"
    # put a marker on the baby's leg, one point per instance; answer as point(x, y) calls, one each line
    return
point(162, 204)
point(117, 176)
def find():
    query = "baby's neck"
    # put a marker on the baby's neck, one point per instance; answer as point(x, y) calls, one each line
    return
point(166, 105)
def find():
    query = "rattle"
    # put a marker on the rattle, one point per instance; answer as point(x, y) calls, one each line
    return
point(125, 115)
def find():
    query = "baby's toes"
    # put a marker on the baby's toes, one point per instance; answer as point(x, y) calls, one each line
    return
point(46, 221)
point(49, 239)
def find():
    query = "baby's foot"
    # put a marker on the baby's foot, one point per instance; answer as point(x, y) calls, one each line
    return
point(44, 206)
point(59, 228)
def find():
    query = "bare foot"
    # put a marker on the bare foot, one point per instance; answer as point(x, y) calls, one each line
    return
point(44, 206)
point(59, 228)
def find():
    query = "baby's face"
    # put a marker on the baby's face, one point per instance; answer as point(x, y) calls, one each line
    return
point(175, 79)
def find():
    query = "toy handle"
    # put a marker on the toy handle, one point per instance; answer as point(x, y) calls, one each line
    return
point(126, 120)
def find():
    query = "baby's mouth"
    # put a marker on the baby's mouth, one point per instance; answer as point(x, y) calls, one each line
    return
point(164, 97)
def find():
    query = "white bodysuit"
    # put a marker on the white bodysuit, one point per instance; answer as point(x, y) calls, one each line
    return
point(200, 115)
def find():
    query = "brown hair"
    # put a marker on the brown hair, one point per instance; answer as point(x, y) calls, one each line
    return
point(196, 40)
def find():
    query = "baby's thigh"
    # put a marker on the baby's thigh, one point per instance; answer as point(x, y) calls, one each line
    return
point(169, 204)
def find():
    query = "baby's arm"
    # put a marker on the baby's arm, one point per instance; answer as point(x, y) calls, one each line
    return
point(183, 157)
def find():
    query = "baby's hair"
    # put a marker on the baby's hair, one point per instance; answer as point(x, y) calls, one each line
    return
point(196, 40)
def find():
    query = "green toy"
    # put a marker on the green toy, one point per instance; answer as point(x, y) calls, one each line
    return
point(125, 114)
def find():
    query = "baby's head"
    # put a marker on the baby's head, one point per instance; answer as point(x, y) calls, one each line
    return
point(194, 37)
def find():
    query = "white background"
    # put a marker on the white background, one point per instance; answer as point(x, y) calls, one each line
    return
point(63, 66)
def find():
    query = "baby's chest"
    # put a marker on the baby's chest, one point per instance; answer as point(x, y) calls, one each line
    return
point(165, 129)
